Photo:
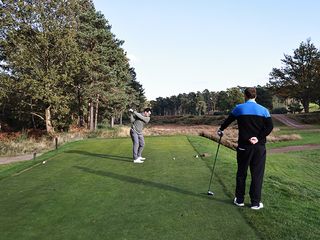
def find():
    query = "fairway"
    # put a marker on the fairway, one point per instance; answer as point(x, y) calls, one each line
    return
point(91, 190)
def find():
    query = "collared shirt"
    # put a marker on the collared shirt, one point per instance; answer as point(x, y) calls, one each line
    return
point(253, 120)
point(138, 120)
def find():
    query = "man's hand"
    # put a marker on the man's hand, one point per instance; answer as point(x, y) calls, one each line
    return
point(220, 133)
point(253, 140)
point(131, 110)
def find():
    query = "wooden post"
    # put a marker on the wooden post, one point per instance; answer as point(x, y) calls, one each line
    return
point(34, 155)
point(56, 142)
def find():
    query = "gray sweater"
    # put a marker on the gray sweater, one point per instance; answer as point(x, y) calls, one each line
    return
point(138, 120)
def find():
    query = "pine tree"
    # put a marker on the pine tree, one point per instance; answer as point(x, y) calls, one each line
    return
point(299, 76)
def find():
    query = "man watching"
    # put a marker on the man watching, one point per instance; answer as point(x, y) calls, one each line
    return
point(254, 125)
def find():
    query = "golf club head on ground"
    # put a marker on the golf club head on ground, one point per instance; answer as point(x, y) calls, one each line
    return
point(210, 193)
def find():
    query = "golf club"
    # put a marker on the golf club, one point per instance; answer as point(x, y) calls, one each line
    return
point(214, 164)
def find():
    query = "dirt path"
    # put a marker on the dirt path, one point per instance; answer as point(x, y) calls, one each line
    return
point(288, 121)
point(294, 148)
point(6, 160)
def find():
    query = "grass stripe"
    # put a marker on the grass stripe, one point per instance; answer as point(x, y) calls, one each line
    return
point(91, 189)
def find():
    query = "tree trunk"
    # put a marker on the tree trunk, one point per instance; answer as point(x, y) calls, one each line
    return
point(80, 112)
point(96, 114)
point(120, 119)
point(305, 103)
point(112, 122)
point(32, 117)
point(91, 117)
point(33, 122)
point(88, 122)
point(48, 120)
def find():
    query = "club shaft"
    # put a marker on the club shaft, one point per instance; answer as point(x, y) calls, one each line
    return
point(214, 163)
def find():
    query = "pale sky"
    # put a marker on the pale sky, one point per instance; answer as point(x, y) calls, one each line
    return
point(182, 46)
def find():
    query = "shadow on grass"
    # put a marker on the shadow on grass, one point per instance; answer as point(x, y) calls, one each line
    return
point(107, 156)
point(149, 184)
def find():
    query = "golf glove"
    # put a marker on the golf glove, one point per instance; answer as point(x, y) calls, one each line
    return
point(220, 133)
point(131, 110)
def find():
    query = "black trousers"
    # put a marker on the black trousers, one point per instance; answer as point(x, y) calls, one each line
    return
point(253, 156)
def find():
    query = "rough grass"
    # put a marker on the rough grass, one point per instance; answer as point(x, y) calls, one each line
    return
point(188, 120)
point(23, 146)
point(230, 136)
point(21, 143)
point(307, 136)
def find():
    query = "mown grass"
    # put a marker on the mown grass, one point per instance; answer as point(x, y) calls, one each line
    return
point(91, 190)
point(291, 192)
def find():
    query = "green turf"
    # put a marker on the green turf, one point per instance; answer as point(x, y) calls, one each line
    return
point(291, 192)
point(91, 190)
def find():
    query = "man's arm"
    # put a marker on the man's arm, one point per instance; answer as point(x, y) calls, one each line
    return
point(227, 122)
point(267, 129)
point(131, 118)
point(141, 117)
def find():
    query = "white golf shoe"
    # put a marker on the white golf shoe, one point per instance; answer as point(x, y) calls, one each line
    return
point(257, 207)
point(137, 161)
point(237, 203)
point(142, 158)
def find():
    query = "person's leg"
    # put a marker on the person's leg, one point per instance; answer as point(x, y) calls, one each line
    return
point(141, 144)
point(257, 167)
point(243, 160)
point(135, 143)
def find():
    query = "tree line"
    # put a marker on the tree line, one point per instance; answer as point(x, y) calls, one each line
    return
point(206, 102)
point(60, 64)
point(298, 80)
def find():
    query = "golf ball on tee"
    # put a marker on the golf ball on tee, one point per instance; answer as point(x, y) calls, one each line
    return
point(174, 158)
point(43, 162)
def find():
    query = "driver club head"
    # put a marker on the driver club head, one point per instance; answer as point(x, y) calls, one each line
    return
point(210, 193)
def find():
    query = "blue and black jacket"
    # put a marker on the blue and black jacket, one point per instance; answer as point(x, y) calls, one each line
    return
point(253, 120)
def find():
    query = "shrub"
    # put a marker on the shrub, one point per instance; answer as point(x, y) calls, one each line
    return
point(281, 110)
point(188, 120)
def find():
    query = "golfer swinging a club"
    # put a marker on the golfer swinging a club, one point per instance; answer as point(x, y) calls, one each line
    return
point(254, 124)
point(138, 120)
